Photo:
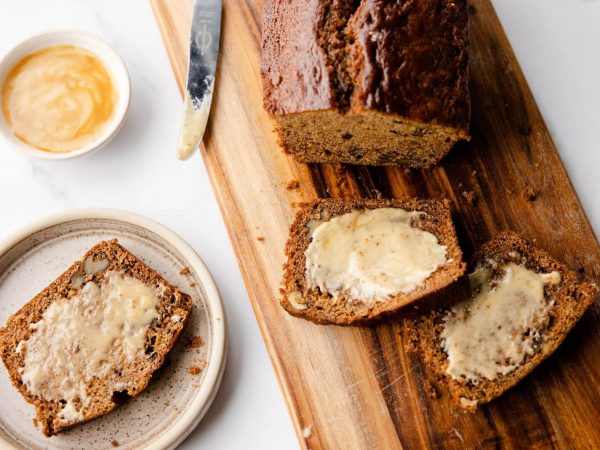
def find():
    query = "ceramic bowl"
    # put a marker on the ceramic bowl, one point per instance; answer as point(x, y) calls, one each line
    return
point(113, 63)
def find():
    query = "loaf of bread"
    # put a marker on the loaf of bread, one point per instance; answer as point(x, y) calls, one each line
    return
point(375, 82)
point(356, 261)
point(524, 302)
point(93, 337)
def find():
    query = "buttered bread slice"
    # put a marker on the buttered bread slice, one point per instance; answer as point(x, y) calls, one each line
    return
point(522, 305)
point(353, 261)
point(93, 337)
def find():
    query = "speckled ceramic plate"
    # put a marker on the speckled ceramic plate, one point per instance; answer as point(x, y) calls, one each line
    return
point(175, 401)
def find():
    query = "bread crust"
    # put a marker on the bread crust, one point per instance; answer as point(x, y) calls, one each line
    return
point(316, 51)
point(160, 337)
point(443, 287)
point(572, 297)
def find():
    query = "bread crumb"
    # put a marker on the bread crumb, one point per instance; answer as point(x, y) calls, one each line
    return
point(195, 342)
point(184, 271)
point(307, 432)
point(35, 422)
point(192, 283)
point(430, 389)
point(530, 194)
point(470, 196)
point(411, 339)
point(194, 370)
point(260, 238)
point(293, 184)
point(114, 443)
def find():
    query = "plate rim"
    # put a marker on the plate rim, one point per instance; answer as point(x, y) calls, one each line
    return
point(191, 417)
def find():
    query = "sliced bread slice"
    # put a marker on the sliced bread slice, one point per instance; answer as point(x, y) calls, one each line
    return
point(355, 261)
point(93, 337)
point(523, 304)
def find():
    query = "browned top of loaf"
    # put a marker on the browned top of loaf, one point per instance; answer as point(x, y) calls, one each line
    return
point(160, 338)
point(439, 288)
point(572, 296)
point(407, 57)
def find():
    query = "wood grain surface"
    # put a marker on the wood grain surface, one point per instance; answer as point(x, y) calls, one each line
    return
point(357, 387)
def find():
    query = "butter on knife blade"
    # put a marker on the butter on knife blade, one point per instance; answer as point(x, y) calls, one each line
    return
point(194, 124)
point(204, 48)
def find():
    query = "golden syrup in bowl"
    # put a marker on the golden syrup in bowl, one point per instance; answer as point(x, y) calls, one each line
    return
point(59, 98)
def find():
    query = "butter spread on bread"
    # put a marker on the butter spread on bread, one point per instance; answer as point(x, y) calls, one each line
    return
point(372, 254)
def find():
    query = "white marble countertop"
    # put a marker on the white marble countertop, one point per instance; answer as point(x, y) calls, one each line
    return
point(557, 44)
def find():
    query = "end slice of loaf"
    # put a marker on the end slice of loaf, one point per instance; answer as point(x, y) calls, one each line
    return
point(441, 288)
point(131, 377)
point(571, 297)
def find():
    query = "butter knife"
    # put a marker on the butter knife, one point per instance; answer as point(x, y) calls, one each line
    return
point(202, 66)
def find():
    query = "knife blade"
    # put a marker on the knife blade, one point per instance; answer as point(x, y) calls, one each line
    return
point(202, 66)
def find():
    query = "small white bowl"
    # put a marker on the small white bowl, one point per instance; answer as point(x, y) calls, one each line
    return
point(113, 63)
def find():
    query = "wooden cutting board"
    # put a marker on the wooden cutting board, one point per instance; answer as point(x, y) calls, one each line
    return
point(356, 387)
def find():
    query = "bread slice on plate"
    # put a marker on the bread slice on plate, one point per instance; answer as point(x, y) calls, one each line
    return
point(355, 261)
point(93, 337)
point(523, 304)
